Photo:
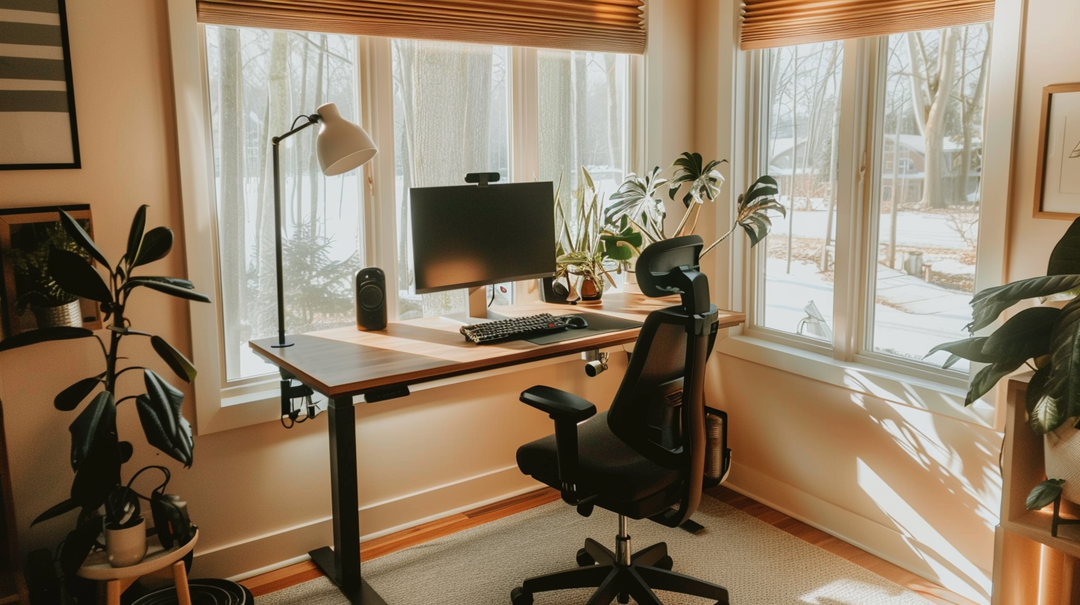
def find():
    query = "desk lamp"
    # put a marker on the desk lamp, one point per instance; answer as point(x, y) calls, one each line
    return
point(341, 146)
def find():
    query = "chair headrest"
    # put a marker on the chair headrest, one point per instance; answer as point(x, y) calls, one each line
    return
point(671, 267)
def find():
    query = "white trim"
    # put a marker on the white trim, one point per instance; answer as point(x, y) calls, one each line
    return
point(890, 386)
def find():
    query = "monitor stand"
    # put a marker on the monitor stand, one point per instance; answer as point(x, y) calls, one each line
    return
point(478, 311)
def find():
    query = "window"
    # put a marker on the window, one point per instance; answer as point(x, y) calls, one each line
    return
point(260, 80)
point(907, 229)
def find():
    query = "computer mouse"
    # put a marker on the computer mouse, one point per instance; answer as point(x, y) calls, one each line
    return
point(576, 322)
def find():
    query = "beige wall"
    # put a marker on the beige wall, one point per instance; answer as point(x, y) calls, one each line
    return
point(260, 494)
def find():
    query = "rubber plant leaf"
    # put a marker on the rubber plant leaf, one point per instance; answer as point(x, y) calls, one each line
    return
point(77, 277)
point(135, 235)
point(1024, 335)
point(71, 397)
point(78, 544)
point(987, 377)
point(1065, 258)
point(162, 421)
point(99, 474)
point(172, 281)
point(167, 288)
point(1044, 493)
point(126, 451)
point(156, 245)
point(176, 360)
point(989, 303)
point(55, 511)
point(82, 238)
point(1036, 389)
point(43, 335)
point(967, 348)
point(1063, 382)
point(96, 419)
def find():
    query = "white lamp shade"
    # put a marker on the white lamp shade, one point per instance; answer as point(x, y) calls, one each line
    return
point(341, 145)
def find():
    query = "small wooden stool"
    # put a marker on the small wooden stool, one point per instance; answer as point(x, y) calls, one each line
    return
point(118, 579)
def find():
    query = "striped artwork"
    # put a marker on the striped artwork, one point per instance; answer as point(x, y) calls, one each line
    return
point(37, 110)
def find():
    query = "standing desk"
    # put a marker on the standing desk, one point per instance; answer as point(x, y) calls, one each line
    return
point(345, 362)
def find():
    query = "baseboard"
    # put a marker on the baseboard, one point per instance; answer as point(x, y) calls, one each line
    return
point(884, 542)
point(266, 552)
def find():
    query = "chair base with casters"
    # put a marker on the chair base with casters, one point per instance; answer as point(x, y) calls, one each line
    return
point(620, 575)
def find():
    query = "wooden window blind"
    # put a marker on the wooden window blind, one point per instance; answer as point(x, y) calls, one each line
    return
point(771, 23)
point(594, 25)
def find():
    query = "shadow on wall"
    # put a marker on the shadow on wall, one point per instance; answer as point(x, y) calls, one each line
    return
point(920, 489)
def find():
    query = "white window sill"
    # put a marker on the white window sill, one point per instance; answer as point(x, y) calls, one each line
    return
point(891, 386)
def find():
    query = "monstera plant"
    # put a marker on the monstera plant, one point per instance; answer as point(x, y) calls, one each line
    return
point(1045, 337)
point(97, 452)
point(637, 204)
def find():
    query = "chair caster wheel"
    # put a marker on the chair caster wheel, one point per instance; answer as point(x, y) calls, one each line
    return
point(519, 597)
point(584, 559)
point(624, 598)
point(665, 562)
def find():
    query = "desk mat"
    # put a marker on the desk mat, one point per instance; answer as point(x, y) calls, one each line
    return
point(598, 324)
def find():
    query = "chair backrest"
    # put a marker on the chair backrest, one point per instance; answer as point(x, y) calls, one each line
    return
point(659, 408)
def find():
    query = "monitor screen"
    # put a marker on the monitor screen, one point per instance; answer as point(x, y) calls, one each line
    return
point(465, 236)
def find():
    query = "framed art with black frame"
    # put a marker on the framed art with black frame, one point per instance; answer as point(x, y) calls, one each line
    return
point(1057, 172)
point(30, 298)
point(37, 107)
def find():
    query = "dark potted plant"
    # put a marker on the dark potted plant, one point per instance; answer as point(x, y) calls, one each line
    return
point(1047, 339)
point(580, 247)
point(51, 305)
point(97, 452)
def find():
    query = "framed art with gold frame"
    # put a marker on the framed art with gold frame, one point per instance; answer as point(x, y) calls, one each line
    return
point(1057, 172)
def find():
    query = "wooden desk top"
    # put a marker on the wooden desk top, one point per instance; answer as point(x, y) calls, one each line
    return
point(346, 361)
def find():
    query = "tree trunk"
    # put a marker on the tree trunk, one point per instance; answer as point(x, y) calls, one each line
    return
point(934, 136)
point(231, 203)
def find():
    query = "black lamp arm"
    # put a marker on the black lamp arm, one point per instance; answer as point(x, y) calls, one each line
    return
point(311, 121)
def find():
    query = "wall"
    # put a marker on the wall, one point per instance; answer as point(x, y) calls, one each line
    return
point(919, 489)
point(260, 494)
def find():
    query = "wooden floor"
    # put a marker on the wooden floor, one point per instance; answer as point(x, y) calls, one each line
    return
point(302, 572)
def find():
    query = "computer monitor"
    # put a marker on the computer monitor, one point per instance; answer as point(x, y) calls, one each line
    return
point(471, 236)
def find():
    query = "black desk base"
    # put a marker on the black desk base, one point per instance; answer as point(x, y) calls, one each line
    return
point(361, 595)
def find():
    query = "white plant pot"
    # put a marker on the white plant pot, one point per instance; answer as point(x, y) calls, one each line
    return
point(1061, 458)
point(126, 546)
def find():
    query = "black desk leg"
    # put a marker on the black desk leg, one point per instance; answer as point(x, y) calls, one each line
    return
point(342, 564)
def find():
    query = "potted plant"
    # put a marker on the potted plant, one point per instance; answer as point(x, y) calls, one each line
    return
point(125, 528)
point(1047, 339)
point(51, 305)
point(636, 203)
point(97, 452)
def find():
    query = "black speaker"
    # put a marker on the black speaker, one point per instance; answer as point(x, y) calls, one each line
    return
point(371, 299)
point(553, 291)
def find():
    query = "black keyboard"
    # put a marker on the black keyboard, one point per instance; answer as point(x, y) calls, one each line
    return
point(515, 328)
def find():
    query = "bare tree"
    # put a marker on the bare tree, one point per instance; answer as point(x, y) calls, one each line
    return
point(932, 81)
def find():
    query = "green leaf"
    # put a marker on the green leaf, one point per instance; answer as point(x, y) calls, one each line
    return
point(82, 238)
point(126, 451)
point(77, 277)
point(64, 507)
point(96, 419)
point(1036, 389)
point(987, 377)
point(176, 360)
point(78, 544)
point(43, 335)
point(71, 397)
point(135, 235)
point(764, 187)
point(167, 288)
point(967, 348)
point(98, 475)
point(1026, 334)
point(172, 281)
point(162, 420)
point(1044, 493)
point(1047, 414)
point(156, 245)
point(989, 303)
point(1063, 382)
point(1065, 258)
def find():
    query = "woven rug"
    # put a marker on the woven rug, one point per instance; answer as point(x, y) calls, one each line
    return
point(758, 563)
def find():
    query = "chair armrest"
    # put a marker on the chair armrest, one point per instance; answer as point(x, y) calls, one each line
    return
point(559, 404)
point(567, 410)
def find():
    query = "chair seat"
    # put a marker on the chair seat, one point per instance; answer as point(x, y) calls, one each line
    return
point(624, 481)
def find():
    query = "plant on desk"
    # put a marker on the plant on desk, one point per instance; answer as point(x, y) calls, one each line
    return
point(1046, 338)
point(637, 204)
point(97, 453)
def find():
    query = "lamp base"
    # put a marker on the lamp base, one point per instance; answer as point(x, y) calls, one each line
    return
point(281, 345)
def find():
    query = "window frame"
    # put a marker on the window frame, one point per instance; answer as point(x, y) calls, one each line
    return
point(849, 361)
point(222, 406)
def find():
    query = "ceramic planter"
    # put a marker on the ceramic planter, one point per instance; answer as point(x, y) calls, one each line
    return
point(127, 546)
point(1061, 458)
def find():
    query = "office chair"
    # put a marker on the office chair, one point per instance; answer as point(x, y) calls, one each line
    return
point(647, 453)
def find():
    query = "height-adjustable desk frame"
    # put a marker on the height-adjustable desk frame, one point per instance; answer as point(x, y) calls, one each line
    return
point(344, 363)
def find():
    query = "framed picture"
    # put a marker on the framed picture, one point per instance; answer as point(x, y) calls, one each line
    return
point(37, 106)
point(30, 298)
point(1057, 173)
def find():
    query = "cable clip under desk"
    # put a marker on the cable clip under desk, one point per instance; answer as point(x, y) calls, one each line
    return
point(384, 393)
